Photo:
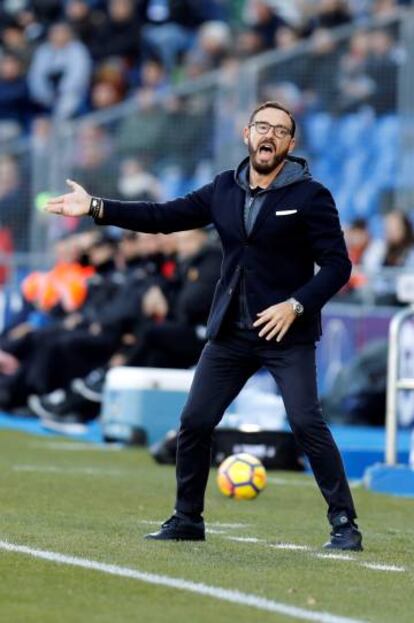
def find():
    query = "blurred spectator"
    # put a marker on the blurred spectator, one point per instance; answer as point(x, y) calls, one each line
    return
point(357, 238)
point(382, 70)
point(14, 206)
point(189, 144)
point(384, 8)
point(330, 14)
point(105, 94)
point(14, 41)
point(395, 250)
point(264, 20)
point(286, 38)
point(119, 34)
point(14, 96)
point(358, 242)
point(93, 160)
point(398, 244)
point(109, 84)
point(320, 74)
point(153, 77)
point(247, 43)
point(136, 184)
point(59, 75)
point(355, 87)
point(143, 132)
point(170, 27)
point(85, 20)
point(46, 11)
point(213, 45)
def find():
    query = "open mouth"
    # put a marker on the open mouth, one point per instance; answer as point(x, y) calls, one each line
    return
point(266, 148)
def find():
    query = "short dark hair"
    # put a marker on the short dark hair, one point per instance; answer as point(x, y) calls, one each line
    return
point(277, 106)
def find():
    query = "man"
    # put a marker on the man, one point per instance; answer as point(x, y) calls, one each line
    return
point(275, 222)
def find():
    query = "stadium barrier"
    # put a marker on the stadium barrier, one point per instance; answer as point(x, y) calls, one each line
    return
point(391, 477)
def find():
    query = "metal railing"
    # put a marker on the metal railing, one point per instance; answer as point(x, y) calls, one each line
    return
point(395, 383)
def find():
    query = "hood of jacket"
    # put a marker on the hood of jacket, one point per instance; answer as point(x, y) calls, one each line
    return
point(294, 170)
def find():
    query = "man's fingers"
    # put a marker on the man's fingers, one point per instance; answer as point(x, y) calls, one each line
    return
point(267, 314)
point(74, 185)
point(274, 330)
point(282, 333)
point(54, 208)
point(270, 325)
point(260, 321)
point(56, 199)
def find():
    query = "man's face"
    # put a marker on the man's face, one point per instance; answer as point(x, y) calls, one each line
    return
point(267, 151)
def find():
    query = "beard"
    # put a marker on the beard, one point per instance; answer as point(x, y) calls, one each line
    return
point(264, 168)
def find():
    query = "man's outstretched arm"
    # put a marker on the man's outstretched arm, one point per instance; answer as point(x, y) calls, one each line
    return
point(189, 212)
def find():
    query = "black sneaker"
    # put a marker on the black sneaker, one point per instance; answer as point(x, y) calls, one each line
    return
point(63, 404)
point(179, 528)
point(345, 535)
point(92, 386)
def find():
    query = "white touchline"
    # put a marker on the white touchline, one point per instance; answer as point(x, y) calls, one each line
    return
point(245, 539)
point(375, 566)
point(55, 469)
point(76, 446)
point(336, 556)
point(381, 567)
point(291, 546)
point(216, 592)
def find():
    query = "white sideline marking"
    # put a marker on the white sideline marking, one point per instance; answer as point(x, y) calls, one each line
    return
point(381, 567)
point(294, 547)
point(54, 469)
point(216, 592)
point(336, 556)
point(76, 446)
point(312, 552)
point(219, 524)
point(245, 539)
point(291, 546)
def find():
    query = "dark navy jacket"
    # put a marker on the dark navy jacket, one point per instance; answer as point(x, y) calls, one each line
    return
point(296, 228)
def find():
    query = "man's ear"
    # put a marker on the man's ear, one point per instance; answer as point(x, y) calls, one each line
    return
point(292, 144)
point(245, 135)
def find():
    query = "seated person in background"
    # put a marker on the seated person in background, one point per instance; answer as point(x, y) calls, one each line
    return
point(171, 335)
point(395, 250)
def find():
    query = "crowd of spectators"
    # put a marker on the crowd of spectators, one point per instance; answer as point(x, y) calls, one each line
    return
point(66, 58)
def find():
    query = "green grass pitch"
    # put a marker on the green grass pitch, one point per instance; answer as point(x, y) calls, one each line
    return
point(96, 504)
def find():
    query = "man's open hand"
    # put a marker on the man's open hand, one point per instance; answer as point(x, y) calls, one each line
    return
point(75, 203)
point(275, 321)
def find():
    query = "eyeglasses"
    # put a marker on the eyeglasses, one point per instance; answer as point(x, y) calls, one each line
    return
point(263, 127)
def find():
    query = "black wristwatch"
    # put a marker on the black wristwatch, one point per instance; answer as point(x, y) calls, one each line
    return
point(297, 307)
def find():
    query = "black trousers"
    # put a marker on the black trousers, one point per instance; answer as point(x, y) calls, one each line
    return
point(225, 365)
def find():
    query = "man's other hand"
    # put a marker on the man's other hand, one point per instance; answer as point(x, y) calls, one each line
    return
point(275, 321)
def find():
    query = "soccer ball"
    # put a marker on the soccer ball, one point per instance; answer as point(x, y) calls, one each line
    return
point(241, 476)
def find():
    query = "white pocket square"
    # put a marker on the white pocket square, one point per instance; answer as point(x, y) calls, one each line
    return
point(285, 212)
